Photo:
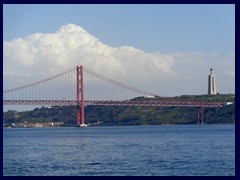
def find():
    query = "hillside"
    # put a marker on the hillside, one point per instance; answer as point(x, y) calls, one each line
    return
point(115, 115)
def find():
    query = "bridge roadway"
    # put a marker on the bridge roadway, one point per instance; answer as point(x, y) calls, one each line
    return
point(114, 103)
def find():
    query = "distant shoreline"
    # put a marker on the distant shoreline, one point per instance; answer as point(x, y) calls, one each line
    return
point(117, 126)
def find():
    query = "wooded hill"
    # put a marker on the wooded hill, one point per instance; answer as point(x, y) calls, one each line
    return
point(121, 115)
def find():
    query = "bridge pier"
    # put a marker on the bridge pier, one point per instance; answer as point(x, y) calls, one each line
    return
point(201, 114)
point(80, 94)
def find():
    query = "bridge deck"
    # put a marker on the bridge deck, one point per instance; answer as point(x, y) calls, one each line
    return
point(114, 103)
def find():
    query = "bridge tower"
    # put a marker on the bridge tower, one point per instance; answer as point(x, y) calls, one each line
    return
point(80, 91)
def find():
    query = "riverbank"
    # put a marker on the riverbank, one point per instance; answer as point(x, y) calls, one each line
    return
point(127, 115)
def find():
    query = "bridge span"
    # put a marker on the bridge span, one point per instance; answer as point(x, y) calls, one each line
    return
point(114, 103)
point(83, 87)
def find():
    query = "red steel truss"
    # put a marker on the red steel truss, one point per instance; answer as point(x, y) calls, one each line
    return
point(114, 103)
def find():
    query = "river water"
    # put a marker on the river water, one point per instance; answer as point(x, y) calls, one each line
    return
point(169, 150)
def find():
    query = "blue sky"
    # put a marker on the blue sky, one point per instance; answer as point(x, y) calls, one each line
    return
point(171, 46)
point(153, 28)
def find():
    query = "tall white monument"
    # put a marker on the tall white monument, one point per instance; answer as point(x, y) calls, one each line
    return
point(211, 83)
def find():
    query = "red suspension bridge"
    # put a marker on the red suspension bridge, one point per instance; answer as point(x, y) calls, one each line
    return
point(81, 87)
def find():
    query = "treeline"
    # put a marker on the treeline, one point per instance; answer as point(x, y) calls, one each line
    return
point(121, 115)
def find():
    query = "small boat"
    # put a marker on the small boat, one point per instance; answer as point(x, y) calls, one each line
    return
point(83, 125)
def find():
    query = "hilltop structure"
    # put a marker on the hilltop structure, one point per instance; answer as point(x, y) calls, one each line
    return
point(212, 83)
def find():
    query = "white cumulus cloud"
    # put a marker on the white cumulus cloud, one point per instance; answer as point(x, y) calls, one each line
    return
point(43, 55)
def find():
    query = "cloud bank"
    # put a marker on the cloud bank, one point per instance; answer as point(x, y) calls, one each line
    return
point(39, 56)
point(71, 45)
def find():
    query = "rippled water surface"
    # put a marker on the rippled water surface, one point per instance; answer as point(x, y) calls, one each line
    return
point(126, 150)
